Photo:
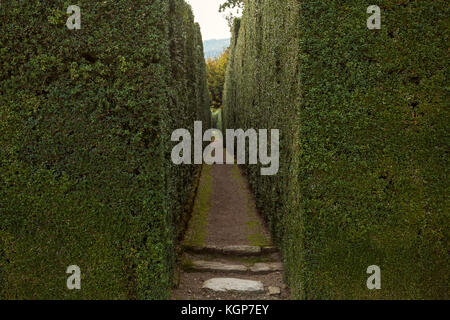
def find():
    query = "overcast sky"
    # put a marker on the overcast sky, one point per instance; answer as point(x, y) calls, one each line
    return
point(212, 23)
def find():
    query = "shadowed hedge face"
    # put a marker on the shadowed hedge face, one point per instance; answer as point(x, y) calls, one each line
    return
point(363, 166)
point(85, 122)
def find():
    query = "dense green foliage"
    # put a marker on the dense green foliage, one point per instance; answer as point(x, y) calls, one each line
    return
point(215, 70)
point(231, 4)
point(85, 123)
point(363, 116)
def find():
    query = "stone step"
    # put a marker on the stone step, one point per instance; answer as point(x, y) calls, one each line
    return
point(236, 250)
point(233, 285)
point(266, 267)
point(213, 266)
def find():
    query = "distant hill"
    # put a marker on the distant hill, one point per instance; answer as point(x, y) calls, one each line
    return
point(215, 47)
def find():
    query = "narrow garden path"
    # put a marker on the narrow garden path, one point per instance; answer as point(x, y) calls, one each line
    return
point(227, 251)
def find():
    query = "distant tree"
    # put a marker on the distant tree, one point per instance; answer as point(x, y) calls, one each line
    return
point(216, 68)
point(231, 5)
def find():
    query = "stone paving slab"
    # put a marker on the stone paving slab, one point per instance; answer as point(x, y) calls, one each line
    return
point(238, 250)
point(241, 250)
point(266, 267)
point(233, 284)
point(213, 266)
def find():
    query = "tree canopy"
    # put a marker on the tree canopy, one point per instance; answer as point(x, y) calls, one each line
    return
point(215, 68)
point(231, 4)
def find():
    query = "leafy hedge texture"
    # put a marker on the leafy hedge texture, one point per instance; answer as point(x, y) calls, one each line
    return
point(85, 123)
point(363, 117)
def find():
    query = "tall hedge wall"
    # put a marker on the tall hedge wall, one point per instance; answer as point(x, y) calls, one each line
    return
point(363, 117)
point(85, 123)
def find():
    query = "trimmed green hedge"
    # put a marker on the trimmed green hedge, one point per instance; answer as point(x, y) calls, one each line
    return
point(85, 123)
point(363, 116)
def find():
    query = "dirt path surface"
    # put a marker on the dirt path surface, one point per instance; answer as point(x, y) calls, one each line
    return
point(227, 251)
point(233, 219)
